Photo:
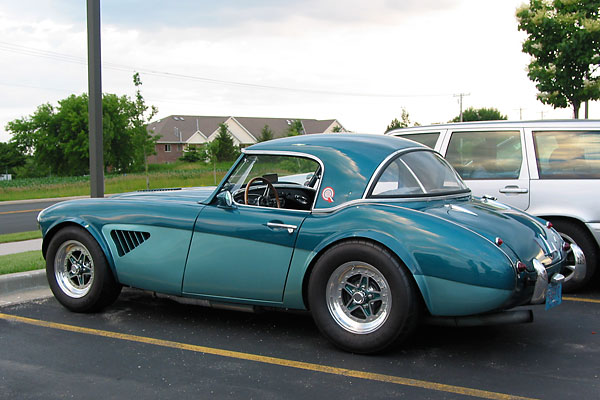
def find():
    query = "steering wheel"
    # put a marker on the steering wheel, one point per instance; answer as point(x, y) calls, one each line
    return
point(265, 194)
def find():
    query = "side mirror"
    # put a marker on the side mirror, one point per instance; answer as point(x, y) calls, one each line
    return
point(225, 199)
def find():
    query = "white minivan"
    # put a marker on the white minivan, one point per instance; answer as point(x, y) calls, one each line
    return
point(550, 169)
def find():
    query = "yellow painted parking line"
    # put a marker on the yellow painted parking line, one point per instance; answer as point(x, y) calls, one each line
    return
point(20, 211)
point(581, 299)
point(268, 360)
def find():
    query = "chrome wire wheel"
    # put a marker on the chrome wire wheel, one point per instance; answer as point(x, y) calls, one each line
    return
point(358, 297)
point(74, 269)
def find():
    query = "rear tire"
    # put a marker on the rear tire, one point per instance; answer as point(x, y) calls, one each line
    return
point(361, 298)
point(572, 232)
point(78, 273)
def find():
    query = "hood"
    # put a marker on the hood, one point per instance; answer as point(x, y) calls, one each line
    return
point(187, 195)
point(525, 236)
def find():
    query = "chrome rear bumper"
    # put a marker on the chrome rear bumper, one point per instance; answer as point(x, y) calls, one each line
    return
point(541, 282)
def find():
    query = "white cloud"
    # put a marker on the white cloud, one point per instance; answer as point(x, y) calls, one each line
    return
point(426, 50)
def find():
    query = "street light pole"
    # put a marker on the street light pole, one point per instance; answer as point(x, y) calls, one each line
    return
point(95, 100)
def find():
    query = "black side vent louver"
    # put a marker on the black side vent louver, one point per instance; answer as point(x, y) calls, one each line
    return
point(126, 241)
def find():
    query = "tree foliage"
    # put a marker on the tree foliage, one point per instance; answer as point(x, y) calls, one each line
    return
point(563, 39)
point(10, 158)
point(265, 134)
point(296, 128)
point(57, 136)
point(224, 149)
point(192, 155)
point(404, 121)
point(480, 114)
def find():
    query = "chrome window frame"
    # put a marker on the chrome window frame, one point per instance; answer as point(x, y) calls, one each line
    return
point(278, 153)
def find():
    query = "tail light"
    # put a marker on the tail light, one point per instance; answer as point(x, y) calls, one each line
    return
point(549, 225)
point(521, 267)
point(566, 246)
point(498, 242)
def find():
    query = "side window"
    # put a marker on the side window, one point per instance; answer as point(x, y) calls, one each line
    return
point(274, 181)
point(567, 155)
point(486, 154)
point(428, 139)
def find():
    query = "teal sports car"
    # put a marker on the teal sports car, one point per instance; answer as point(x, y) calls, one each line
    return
point(372, 234)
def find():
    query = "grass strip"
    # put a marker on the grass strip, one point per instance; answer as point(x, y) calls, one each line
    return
point(20, 236)
point(64, 187)
point(21, 262)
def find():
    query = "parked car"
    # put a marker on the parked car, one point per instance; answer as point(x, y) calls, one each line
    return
point(370, 233)
point(551, 169)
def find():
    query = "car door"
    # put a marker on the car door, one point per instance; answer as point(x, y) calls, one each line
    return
point(242, 248)
point(242, 252)
point(491, 162)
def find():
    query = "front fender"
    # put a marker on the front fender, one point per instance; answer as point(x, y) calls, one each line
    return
point(49, 232)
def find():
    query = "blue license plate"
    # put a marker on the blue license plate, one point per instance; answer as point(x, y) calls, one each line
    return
point(553, 295)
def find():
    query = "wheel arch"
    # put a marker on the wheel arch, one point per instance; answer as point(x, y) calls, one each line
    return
point(368, 237)
point(98, 237)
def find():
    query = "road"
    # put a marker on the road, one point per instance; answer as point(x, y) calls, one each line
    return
point(21, 217)
point(153, 348)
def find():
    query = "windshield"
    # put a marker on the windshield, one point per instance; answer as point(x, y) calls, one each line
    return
point(418, 173)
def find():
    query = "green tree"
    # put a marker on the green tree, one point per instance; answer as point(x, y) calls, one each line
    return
point(480, 114)
point(265, 134)
point(192, 155)
point(224, 149)
point(337, 129)
point(296, 128)
point(57, 136)
point(10, 158)
point(563, 39)
point(403, 123)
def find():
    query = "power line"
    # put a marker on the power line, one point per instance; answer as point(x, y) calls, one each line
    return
point(30, 51)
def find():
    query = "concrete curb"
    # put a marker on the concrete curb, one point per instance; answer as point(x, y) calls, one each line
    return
point(21, 281)
point(23, 287)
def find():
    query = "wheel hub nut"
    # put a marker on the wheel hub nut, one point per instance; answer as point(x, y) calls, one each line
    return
point(358, 297)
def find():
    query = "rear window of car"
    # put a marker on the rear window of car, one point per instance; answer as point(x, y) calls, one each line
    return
point(428, 139)
point(486, 154)
point(567, 154)
point(416, 174)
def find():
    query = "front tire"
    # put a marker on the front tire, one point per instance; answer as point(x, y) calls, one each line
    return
point(361, 298)
point(78, 273)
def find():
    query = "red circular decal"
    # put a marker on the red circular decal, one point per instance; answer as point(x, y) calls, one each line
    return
point(328, 194)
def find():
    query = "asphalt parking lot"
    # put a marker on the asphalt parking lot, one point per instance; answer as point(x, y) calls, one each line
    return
point(149, 347)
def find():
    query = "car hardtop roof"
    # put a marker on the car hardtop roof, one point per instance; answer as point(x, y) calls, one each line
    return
point(544, 123)
point(334, 143)
point(349, 159)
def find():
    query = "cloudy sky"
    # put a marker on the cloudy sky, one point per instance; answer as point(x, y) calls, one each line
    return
point(354, 60)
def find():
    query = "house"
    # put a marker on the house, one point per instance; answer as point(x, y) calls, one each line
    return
point(180, 132)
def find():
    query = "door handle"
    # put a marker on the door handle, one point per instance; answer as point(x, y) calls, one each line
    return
point(513, 189)
point(275, 225)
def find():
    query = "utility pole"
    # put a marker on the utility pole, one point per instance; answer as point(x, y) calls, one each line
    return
point(95, 100)
point(460, 96)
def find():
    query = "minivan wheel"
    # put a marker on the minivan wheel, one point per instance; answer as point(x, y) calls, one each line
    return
point(573, 233)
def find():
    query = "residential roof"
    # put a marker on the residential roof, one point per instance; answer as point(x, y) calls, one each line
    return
point(172, 127)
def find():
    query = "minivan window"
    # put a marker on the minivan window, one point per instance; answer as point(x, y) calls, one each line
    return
point(428, 139)
point(567, 154)
point(486, 154)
